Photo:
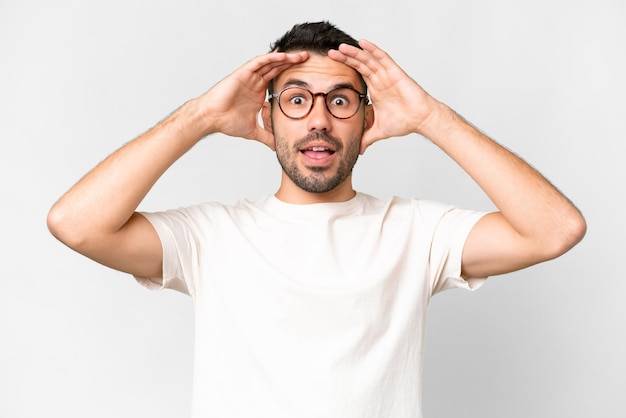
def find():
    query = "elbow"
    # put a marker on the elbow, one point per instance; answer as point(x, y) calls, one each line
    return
point(575, 230)
point(56, 223)
point(62, 228)
point(569, 233)
point(580, 229)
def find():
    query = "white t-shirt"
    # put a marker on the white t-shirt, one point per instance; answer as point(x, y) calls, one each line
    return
point(311, 310)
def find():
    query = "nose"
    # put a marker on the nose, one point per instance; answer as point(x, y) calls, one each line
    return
point(319, 118)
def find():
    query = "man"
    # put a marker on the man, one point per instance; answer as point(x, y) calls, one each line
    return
point(311, 302)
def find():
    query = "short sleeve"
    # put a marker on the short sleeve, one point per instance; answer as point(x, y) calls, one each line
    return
point(450, 228)
point(181, 233)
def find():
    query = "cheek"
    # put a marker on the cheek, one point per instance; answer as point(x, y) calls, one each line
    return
point(286, 128)
point(359, 127)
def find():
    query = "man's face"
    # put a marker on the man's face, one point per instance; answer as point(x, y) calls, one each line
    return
point(317, 153)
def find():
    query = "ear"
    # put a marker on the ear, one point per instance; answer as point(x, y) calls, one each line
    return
point(266, 115)
point(369, 117)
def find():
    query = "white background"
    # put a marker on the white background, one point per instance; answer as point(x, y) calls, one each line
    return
point(80, 78)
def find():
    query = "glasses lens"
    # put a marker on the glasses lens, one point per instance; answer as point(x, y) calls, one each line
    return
point(343, 102)
point(295, 102)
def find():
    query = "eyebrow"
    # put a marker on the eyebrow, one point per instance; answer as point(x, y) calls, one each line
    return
point(294, 82)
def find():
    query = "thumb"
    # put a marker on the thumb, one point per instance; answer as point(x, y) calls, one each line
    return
point(365, 143)
point(264, 136)
point(369, 137)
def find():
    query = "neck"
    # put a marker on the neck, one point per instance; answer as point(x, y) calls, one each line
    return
point(288, 192)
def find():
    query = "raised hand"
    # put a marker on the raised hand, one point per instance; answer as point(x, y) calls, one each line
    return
point(232, 105)
point(400, 104)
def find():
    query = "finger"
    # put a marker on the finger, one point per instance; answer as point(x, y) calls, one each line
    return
point(263, 64)
point(271, 73)
point(348, 55)
point(376, 52)
point(267, 67)
point(362, 61)
point(368, 60)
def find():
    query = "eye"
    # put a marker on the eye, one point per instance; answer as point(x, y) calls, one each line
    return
point(295, 98)
point(341, 98)
point(338, 101)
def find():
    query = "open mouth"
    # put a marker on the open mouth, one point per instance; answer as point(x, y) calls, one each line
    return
point(318, 152)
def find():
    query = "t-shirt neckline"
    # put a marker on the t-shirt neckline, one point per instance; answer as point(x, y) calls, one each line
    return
point(274, 205)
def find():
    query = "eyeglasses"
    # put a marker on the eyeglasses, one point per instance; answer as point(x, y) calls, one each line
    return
point(297, 102)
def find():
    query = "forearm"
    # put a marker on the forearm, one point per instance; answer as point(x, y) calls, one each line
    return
point(534, 222)
point(532, 206)
point(105, 199)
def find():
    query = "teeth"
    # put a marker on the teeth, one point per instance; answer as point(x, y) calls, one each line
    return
point(319, 149)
